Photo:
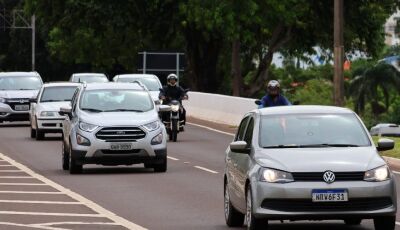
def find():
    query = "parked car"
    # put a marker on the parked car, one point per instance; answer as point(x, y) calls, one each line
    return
point(16, 89)
point(88, 77)
point(151, 81)
point(385, 129)
point(43, 115)
point(113, 124)
point(307, 163)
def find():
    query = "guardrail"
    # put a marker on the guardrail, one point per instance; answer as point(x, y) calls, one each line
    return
point(218, 108)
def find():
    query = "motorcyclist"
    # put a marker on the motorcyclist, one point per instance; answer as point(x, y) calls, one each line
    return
point(172, 91)
point(273, 96)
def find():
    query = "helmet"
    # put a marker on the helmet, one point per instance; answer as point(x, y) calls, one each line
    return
point(273, 84)
point(172, 77)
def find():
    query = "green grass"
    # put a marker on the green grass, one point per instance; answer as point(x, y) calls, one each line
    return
point(393, 152)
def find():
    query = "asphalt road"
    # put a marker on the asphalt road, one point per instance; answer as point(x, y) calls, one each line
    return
point(188, 196)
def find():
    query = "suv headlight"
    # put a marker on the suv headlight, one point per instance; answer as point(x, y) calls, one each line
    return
point(275, 176)
point(2, 100)
point(47, 114)
point(378, 174)
point(87, 127)
point(174, 108)
point(152, 126)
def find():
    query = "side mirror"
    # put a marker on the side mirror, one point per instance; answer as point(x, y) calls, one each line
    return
point(385, 144)
point(33, 100)
point(164, 108)
point(239, 147)
point(258, 102)
point(65, 111)
point(157, 102)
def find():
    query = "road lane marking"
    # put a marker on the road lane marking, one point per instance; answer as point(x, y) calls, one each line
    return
point(24, 184)
point(7, 166)
point(16, 177)
point(38, 202)
point(206, 169)
point(51, 214)
point(215, 130)
point(173, 158)
point(395, 172)
point(397, 223)
point(31, 192)
point(102, 212)
point(74, 223)
point(13, 170)
point(28, 226)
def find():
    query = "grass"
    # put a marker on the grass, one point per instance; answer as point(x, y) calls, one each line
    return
point(393, 152)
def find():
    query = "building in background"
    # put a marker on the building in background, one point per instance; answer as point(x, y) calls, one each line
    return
point(391, 35)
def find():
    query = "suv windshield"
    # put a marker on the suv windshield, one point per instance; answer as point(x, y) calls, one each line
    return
point(90, 78)
point(57, 93)
point(20, 83)
point(312, 130)
point(151, 84)
point(111, 100)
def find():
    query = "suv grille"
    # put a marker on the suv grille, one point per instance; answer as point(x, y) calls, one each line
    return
point(17, 101)
point(115, 134)
point(319, 176)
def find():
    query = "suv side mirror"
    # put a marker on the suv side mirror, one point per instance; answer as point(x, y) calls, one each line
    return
point(33, 100)
point(239, 147)
point(65, 111)
point(258, 102)
point(385, 144)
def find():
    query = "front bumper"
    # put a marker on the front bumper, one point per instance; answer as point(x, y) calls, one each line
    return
point(294, 200)
point(50, 125)
point(8, 114)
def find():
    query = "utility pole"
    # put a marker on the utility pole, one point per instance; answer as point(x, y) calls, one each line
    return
point(33, 26)
point(338, 81)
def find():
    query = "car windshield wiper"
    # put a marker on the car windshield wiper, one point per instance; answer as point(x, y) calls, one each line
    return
point(92, 110)
point(340, 145)
point(25, 89)
point(49, 100)
point(123, 110)
point(280, 146)
point(310, 146)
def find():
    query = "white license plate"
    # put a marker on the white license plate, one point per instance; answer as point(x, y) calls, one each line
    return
point(329, 195)
point(21, 107)
point(121, 146)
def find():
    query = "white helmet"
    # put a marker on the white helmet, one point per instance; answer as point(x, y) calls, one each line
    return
point(170, 77)
point(273, 84)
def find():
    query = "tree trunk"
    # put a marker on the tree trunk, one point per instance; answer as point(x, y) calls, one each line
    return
point(236, 71)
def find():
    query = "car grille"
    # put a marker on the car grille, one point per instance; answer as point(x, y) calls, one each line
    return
point(306, 205)
point(20, 101)
point(115, 134)
point(319, 176)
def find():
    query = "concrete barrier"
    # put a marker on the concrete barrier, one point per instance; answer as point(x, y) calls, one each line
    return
point(218, 108)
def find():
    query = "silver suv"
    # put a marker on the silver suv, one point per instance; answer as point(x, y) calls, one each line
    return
point(113, 124)
point(88, 77)
point(16, 90)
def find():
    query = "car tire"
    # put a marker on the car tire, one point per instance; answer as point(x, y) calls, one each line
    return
point(161, 167)
point(252, 222)
point(33, 133)
point(65, 157)
point(74, 167)
point(353, 221)
point(39, 134)
point(233, 217)
point(385, 223)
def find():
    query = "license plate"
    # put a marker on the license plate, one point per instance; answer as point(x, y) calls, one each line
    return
point(21, 107)
point(333, 195)
point(121, 146)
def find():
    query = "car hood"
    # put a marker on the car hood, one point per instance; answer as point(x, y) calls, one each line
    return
point(18, 93)
point(320, 159)
point(52, 106)
point(119, 118)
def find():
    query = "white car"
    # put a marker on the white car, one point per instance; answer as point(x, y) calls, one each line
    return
point(151, 82)
point(88, 77)
point(43, 116)
point(385, 129)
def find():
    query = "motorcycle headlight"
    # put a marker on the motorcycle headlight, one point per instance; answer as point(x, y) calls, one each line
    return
point(2, 100)
point(378, 174)
point(174, 108)
point(152, 126)
point(157, 139)
point(87, 127)
point(275, 176)
point(47, 114)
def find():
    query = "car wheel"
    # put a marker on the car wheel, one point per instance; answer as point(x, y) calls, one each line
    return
point(161, 167)
point(354, 221)
point(233, 217)
point(385, 223)
point(33, 133)
point(39, 134)
point(74, 167)
point(65, 157)
point(252, 222)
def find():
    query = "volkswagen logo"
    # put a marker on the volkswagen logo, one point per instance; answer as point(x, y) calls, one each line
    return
point(329, 177)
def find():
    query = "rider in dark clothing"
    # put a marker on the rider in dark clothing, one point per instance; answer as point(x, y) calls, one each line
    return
point(273, 97)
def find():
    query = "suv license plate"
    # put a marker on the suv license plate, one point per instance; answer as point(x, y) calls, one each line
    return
point(21, 107)
point(332, 195)
point(121, 146)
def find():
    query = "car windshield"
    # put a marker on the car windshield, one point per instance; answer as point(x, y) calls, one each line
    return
point(113, 100)
point(90, 78)
point(57, 93)
point(151, 84)
point(312, 130)
point(20, 83)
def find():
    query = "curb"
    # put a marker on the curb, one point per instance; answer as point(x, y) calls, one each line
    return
point(393, 163)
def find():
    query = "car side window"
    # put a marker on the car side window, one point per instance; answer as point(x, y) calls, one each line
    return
point(249, 132)
point(242, 128)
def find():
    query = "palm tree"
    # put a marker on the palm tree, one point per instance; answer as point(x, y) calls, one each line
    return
point(371, 83)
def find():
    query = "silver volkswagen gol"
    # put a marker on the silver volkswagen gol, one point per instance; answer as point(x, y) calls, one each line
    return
point(307, 163)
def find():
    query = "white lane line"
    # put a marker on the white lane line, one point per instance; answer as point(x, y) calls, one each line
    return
point(31, 192)
point(173, 158)
point(215, 130)
point(90, 204)
point(50, 214)
point(24, 184)
point(74, 223)
point(14, 170)
point(395, 172)
point(206, 169)
point(28, 226)
point(16, 177)
point(38, 202)
point(397, 223)
point(7, 166)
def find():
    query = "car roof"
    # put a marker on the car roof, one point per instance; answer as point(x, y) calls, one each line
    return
point(113, 85)
point(66, 83)
point(136, 75)
point(303, 109)
point(19, 74)
point(89, 74)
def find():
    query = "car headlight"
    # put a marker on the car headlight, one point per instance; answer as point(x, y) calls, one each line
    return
point(47, 114)
point(87, 127)
point(174, 108)
point(157, 139)
point(275, 176)
point(2, 100)
point(152, 126)
point(81, 140)
point(378, 174)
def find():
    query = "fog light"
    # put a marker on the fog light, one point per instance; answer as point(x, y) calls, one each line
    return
point(157, 139)
point(82, 140)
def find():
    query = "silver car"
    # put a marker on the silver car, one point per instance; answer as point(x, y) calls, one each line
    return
point(113, 124)
point(151, 82)
point(88, 77)
point(43, 115)
point(307, 163)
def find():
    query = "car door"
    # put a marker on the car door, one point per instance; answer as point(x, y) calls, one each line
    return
point(232, 159)
point(67, 122)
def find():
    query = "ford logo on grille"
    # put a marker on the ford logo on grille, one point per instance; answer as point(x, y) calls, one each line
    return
point(120, 132)
point(329, 177)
